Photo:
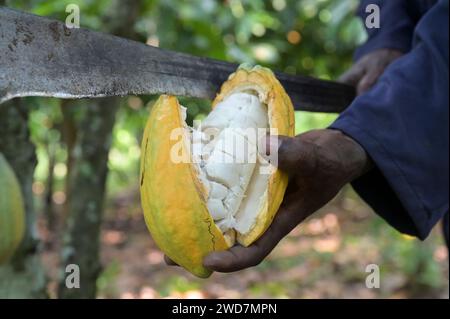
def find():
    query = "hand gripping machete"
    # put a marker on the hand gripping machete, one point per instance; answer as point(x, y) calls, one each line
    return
point(42, 57)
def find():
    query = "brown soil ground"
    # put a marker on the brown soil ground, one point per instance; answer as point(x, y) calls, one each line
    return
point(325, 257)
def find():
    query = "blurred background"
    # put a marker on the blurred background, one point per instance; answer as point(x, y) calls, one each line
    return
point(78, 164)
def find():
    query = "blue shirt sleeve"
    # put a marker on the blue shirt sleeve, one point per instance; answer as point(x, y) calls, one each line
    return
point(403, 124)
point(398, 19)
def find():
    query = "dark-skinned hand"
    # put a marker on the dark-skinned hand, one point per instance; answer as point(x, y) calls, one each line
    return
point(319, 163)
point(366, 71)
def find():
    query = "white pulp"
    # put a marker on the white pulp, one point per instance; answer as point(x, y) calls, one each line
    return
point(225, 150)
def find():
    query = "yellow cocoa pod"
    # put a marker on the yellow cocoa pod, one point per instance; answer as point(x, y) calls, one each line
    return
point(205, 188)
point(12, 212)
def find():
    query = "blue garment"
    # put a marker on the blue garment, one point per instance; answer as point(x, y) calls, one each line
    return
point(403, 120)
point(398, 19)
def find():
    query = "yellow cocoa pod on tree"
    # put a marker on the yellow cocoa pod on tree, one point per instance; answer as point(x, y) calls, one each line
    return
point(206, 188)
point(12, 212)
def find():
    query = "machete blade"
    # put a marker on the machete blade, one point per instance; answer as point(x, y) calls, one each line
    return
point(42, 57)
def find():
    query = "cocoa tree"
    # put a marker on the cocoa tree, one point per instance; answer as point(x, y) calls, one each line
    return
point(88, 170)
point(23, 276)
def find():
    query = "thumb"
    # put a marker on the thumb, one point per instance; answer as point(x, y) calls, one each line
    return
point(352, 76)
point(290, 154)
point(368, 81)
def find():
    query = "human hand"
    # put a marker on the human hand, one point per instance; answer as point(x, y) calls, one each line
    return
point(366, 71)
point(319, 164)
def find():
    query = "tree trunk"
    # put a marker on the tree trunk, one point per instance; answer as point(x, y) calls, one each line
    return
point(87, 187)
point(23, 276)
point(88, 174)
point(69, 137)
point(48, 197)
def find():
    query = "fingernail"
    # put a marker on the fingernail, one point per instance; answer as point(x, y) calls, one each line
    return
point(268, 148)
point(209, 261)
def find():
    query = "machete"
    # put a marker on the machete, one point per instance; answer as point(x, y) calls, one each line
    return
point(42, 57)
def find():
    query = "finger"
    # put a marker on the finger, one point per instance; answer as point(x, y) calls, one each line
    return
point(368, 80)
point(169, 261)
point(239, 257)
point(291, 154)
point(234, 259)
point(352, 76)
point(291, 188)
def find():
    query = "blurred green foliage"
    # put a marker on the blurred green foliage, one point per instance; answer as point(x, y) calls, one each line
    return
point(178, 284)
point(107, 280)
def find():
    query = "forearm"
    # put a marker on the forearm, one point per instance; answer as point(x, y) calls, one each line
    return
point(402, 122)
